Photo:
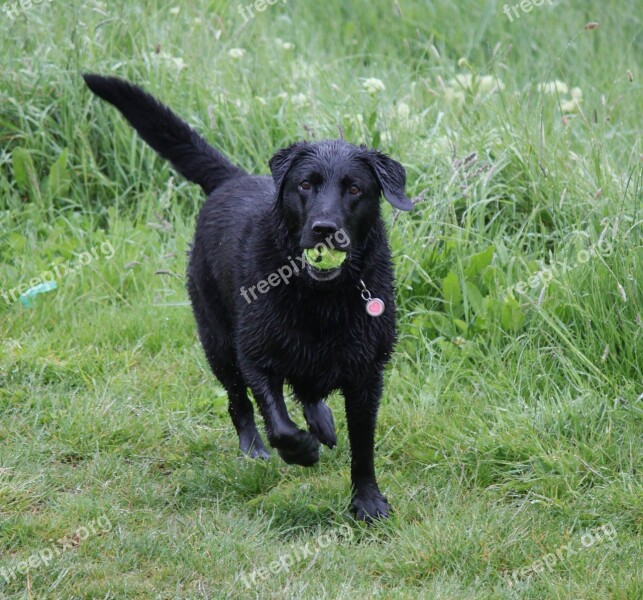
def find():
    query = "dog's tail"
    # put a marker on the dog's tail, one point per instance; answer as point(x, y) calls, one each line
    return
point(171, 137)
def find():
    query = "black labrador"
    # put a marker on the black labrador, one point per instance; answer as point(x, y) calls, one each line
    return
point(266, 313)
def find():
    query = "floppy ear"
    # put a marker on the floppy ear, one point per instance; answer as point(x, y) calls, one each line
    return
point(281, 162)
point(391, 176)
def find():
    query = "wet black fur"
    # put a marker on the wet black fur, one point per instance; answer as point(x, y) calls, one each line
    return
point(314, 335)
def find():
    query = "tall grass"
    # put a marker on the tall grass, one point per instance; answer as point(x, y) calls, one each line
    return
point(511, 420)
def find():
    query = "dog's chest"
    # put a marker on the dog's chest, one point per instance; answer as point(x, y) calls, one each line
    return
point(324, 347)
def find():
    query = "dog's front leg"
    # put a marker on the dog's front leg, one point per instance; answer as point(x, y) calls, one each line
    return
point(362, 403)
point(294, 445)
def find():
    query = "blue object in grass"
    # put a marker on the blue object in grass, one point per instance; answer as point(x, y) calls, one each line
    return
point(42, 288)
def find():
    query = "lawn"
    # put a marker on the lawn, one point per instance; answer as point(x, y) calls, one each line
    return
point(509, 436)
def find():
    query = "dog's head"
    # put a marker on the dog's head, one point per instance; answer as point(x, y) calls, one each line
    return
point(329, 193)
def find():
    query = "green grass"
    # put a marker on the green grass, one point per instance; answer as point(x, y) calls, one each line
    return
point(511, 421)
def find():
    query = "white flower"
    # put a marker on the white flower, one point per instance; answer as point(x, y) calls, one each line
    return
point(488, 84)
point(236, 52)
point(403, 111)
point(372, 85)
point(299, 100)
point(453, 96)
point(284, 45)
point(553, 87)
point(243, 106)
point(577, 93)
point(177, 61)
point(304, 70)
point(455, 89)
point(464, 80)
point(405, 116)
point(570, 106)
point(175, 10)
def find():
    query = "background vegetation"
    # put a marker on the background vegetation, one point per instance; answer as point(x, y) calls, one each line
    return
point(511, 421)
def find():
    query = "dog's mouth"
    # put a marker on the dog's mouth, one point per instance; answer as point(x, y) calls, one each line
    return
point(323, 274)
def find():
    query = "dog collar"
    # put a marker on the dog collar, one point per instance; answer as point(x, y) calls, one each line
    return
point(374, 306)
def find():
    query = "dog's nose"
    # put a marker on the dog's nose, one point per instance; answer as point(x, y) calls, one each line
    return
point(324, 227)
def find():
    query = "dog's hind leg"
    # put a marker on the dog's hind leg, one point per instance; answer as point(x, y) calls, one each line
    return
point(215, 334)
point(242, 415)
point(239, 405)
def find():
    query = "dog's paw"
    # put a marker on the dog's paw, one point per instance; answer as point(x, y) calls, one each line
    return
point(369, 505)
point(320, 422)
point(252, 445)
point(256, 452)
point(301, 448)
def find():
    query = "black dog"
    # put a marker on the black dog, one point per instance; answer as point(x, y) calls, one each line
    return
point(317, 329)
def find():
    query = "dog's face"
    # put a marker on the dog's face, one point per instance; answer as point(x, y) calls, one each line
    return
point(329, 194)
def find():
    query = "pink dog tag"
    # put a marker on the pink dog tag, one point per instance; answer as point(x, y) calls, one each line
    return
point(375, 307)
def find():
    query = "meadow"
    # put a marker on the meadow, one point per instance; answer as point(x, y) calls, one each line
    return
point(509, 436)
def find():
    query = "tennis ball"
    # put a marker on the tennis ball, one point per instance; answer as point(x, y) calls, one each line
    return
point(324, 258)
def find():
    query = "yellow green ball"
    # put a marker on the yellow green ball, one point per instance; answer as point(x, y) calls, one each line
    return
point(324, 258)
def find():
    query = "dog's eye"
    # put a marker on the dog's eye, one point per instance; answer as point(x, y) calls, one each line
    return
point(354, 190)
point(304, 185)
